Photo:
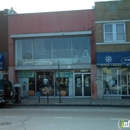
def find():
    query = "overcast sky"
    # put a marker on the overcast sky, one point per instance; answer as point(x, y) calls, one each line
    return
point(32, 6)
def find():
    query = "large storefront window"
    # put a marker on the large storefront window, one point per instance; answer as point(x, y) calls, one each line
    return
point(116, 81)
point(65, 79)
point(48, 51)
point(125, 81)
point(51, 81)
point(28, 79)
point(111, 80)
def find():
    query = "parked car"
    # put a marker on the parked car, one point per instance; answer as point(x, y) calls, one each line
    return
point(8, 93)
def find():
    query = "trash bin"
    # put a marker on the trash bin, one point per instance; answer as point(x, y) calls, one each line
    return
point(17, 95)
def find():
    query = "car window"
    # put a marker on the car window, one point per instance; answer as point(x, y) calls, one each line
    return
point(1, 84)
point(6, 85)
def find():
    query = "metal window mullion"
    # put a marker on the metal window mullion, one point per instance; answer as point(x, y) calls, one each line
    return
point(104, 31)
point(114, 32)
point(124, 31)
point(33, 51)
point(71, 50)
point(51, 51)
point(16, 62)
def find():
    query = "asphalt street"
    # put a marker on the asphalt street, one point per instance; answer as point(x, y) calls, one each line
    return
point(62, 118)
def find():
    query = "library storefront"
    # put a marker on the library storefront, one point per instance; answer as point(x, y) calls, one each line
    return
point(114, 70)
point(55, 64)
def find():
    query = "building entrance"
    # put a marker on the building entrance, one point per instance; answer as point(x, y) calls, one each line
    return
point(82, 84)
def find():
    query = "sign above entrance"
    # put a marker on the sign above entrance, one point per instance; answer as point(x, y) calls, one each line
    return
point(64, 74)
point(113, 58)
point(27, 74)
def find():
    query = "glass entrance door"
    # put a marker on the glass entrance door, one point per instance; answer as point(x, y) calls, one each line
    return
point(82, 84)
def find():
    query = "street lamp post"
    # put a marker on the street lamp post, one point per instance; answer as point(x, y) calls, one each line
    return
point(59, 80)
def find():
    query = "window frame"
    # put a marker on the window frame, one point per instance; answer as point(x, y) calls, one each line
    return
point(114, 32)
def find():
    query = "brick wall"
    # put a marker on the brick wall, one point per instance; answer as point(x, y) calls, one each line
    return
point(113, 48)
point(99, 32)
point(109, 11)
point(112, 10)
point(3, 32)
point(4, 38)
point(128, 31)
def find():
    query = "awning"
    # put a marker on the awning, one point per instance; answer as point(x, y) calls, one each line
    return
point(1, 62)
point(113, 58)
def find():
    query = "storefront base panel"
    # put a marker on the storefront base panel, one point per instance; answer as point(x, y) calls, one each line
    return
point(112, 97)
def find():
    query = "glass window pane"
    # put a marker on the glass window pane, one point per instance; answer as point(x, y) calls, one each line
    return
point(61, 48)
point(23, 52)
point(27, 49)
point(119, 27)
point(110, 81)
point(81, 49)
point(108, 37)
point(120, 36)
point(42, 48)
point(38, 48)
point(27, 52)
point(18, 53)
point(120, 32)
point(42, 51)
point(47, 50)
point(108, 28)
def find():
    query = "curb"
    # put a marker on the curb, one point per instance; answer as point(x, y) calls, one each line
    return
point(60, 104)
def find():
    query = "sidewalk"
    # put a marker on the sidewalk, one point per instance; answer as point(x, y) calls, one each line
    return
point(73, 102)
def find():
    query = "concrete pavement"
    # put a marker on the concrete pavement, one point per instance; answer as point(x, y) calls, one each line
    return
point(34, 101)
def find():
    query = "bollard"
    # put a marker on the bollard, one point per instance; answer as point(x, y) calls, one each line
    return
point(47, 97)
point(38, 97)
point(47, 94)
point(107, 95)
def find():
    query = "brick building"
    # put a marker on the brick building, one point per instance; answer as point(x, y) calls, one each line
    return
point(4, 42)
point(113, 48)
point(54, 49)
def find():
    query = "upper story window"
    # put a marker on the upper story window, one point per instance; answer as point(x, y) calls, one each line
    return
point(114, 32)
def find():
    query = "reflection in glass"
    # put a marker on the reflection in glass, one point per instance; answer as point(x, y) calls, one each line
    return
point(111, 81)
point(47, 51)
point(87, 84)
point(81, 49)
point(65, 82)
point(61, 48)
point(48, 86)
point(42, 51)
point(78, 84)
point(24, 52)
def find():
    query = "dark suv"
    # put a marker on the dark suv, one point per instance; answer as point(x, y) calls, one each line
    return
point(7, 92)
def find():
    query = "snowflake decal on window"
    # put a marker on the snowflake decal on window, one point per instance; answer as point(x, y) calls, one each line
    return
point(108, 59)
